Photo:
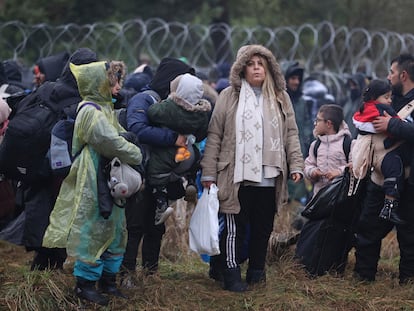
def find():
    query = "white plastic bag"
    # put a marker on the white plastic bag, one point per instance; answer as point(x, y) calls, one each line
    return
point(204, 226)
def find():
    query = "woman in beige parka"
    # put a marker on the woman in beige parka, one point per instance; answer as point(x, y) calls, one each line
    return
point(252, 147)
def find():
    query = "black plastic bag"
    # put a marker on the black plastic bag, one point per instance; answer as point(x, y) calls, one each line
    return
point(334, 194)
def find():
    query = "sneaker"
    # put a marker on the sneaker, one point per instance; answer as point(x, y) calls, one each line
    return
point(162, 215)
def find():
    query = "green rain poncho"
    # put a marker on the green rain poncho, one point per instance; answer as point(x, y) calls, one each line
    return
point(75, 222)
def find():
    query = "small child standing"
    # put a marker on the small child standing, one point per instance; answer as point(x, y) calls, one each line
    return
point(330, 160)
point(323, 242)
point(185, 112)
point(376, 100)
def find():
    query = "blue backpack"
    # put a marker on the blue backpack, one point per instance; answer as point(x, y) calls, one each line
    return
point(60, 151)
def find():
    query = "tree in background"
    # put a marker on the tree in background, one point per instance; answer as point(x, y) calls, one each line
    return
point(371, 14)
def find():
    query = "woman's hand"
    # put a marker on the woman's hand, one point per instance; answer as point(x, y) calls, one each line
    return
point(207, 184)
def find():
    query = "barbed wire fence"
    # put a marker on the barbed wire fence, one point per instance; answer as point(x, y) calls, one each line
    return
point(323, 49)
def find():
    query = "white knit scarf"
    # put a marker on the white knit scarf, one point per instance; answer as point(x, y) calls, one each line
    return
point(258, 137)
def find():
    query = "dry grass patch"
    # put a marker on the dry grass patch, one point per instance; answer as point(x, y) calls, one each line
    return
point(183, 284)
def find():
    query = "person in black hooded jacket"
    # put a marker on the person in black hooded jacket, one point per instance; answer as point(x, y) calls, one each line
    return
point(140, 210)
point(39, 198)
point(49, 68)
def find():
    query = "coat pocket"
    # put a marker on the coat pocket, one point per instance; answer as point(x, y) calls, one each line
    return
point(224, 182)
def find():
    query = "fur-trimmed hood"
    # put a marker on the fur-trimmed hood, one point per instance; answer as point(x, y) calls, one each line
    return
point(243, 56)
point(202, 105)
point(116, 72)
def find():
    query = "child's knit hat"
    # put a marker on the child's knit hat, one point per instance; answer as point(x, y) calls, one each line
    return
point(188, 87)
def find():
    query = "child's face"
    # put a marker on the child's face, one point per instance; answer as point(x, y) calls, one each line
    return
point(320, 125)
point(385, 98)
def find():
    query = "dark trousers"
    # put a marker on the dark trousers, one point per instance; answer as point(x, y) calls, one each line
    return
point(371, 230)
point(393, 171)
point(140, 213)
point(258, 207)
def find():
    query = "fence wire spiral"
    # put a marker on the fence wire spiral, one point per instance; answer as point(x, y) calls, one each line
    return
point(324, 49)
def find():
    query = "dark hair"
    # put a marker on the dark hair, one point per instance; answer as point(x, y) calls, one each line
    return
point(405, 62)
point(333, 113)
point(375, 89)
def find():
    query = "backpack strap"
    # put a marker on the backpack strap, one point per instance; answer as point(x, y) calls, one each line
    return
point(316, 147)
point(89, 104)
point(346, 146)
point(79, 109)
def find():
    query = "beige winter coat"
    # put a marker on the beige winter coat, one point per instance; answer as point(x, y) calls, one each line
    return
point(219, 156)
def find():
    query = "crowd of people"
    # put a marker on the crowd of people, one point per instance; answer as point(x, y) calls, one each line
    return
point(269, 136)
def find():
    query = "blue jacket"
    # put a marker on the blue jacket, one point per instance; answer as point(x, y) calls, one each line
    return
point(138, 122)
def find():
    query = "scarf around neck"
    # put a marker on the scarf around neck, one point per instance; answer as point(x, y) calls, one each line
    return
point(259, 144)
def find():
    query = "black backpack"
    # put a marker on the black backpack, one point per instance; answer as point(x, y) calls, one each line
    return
point(27, 139)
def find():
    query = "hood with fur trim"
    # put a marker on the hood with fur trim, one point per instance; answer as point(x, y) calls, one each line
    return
point(116, 72)
point(243, 56)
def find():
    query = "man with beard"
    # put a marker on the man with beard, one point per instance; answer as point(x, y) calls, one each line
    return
point(370, 228)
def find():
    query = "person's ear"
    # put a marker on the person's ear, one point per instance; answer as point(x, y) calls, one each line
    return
point(404, 75)
point(329, 123)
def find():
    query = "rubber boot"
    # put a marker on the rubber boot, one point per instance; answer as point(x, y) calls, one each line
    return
point(86, 290)
point(255, 276)
point(390, 212)
point(107, 284)
point(233, 281)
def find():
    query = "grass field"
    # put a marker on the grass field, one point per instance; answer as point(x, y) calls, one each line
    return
point(183, 284)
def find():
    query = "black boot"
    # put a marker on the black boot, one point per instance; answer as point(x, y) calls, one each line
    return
point(390, 212)
point(162, 211)
point(107, 284)
point(86, 289)
point(57, 258)
point(255, 276)
point(40, 260)
point(216, 269)
point(232, 280)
